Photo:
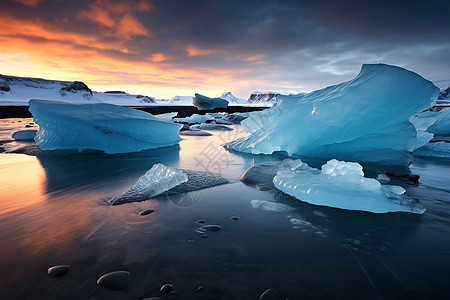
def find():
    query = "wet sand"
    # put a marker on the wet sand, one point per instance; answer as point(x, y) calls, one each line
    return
point(183, 111)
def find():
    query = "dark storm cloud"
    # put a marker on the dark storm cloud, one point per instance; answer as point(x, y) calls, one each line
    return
point(293, 44)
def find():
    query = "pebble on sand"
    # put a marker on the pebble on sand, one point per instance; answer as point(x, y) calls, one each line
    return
point(117, 280)
point(211, 228)
point(271, 294)
point(58, 271)
point(166, 288)
point(146, 211)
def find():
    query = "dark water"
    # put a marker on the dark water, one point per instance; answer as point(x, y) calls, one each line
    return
point(53, 211)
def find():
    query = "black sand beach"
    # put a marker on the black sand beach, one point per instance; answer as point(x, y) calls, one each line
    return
point(183, 111)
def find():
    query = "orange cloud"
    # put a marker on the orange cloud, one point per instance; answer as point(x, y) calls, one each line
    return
point(256, 57)
point(158, 57)
point(196, 51)
point(129, 26)
point(118, 17)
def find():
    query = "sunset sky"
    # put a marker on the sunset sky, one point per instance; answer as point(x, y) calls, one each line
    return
point(164, 48)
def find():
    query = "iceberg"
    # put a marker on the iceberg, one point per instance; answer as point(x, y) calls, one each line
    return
point(206, 103)
point(365, 119)
point(154, 182)
point(342, 185)
point(99, 126)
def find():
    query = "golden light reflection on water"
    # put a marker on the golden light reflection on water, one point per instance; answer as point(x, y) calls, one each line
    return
point(21, 182)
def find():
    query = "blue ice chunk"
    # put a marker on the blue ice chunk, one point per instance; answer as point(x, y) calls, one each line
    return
point(99, 126)
point(441, 126)
point(365, 119)
point(437, 150)
point(157, 180)
point(206, 103)
point(342, 185)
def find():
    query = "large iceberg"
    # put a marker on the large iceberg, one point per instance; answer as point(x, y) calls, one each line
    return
point(206, 103)
point(342, 185)
point(99, 126)
point(365, 119)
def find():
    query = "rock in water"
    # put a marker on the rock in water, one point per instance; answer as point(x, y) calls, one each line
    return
point(211, 127)
point(117, 280)
point(271, 294)
point(146, 212)
point(210, 228)
point(197, 180)
point(99, 126)
point(155, 181)
point(364, 120)
point(166, 288)
point(58, 271)
point(194, 133)
point(206, 103)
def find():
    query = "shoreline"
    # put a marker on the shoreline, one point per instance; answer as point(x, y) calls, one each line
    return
point(10, 111)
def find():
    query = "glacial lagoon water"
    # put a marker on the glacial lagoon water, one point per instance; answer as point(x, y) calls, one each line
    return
point(54, 210)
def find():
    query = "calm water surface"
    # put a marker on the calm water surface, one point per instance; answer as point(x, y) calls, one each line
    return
point(53, 210)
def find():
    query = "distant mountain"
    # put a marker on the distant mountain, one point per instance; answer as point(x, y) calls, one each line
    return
point(443, 99)
point(181, 100)
point(232, 99)
point(262, 98)
point(19, 90)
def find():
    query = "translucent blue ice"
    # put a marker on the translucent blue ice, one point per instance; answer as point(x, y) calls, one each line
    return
point(106, 127)
point(365, 119)
point(154, 182)
point(342, 185)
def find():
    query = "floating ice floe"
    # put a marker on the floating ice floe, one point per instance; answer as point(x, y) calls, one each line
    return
point(365, 119)
point(270, 205)
point(209, 126)
point(438, 150)
point(438, 121)
point(167, 116)
point(206, 103)
point(342, 185)
point(161, 179)
point(195, 118)
point(154, 182)
point(24, 135)
point(99, 126)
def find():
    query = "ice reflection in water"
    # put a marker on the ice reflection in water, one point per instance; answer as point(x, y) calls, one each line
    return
point(53, 210)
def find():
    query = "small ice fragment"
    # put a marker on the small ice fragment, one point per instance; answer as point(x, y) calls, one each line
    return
point(383, 178)
point(24, 135)
point(270, 206)
point(155, 181)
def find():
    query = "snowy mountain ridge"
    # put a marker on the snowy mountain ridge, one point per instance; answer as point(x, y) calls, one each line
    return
point(19, 90)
